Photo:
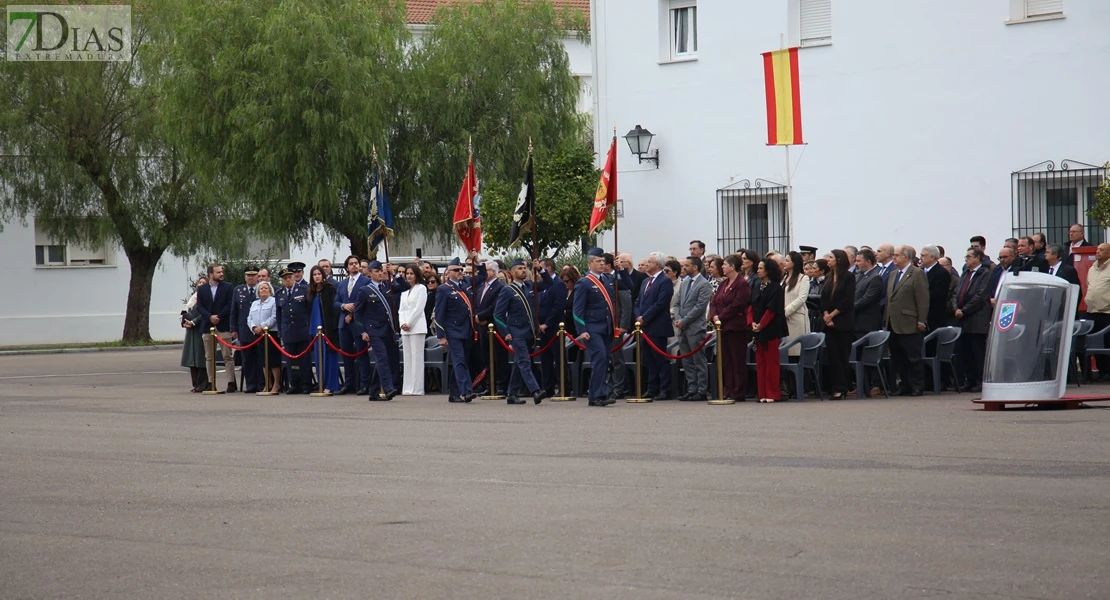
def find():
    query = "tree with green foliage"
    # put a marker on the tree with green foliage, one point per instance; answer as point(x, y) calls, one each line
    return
point(84, 152)
point(1100, 208)
point(565, 182)
point(287, 103)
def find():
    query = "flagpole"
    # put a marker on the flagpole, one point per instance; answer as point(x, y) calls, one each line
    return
point(535, 250)
point(616, 226)
point(474, 268)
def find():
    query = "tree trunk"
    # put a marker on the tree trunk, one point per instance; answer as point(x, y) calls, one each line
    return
point(358, 246)
point(136, 321)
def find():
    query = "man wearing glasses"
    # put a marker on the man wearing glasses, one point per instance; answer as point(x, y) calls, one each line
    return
point(454, 322)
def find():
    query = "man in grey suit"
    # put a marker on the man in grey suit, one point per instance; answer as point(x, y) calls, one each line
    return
point(869, 294)
point(694, 293)
point(907, 310)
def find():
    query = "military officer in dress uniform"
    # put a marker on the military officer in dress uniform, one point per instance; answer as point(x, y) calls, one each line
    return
point(515, 322)
point(553, 302)
point(595, 312)
point(241, 298)
point(374, 310)
point(294, 314)
point(298, 276)
point(454, 323)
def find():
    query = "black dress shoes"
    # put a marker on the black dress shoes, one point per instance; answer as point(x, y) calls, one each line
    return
point(392, 394)
point(917, 393)
point(696, 398)
point(470, 396)
point(231, 388)
point(599, 403)
point(454, 399)
point(293, 392)
point(342, 392)
point(538, 396)
point(514, 400)
point(362, 391)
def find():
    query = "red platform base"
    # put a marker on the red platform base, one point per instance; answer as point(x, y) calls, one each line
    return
point(1068, 402)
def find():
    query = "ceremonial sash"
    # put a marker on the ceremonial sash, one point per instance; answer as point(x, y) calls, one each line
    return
point(469, 307)
point(608, 300)
point(527, 307)
point(388, 305)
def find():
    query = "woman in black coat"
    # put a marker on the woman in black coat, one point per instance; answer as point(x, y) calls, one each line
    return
point(838, 313)
point(768, 312)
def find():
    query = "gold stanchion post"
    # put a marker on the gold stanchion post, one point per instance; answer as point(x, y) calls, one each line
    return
point(563, 397)
point(266, 373)
point(720, 399)
point(492, 379)
point(639, 384)
point(212, 362)
point(320, 364)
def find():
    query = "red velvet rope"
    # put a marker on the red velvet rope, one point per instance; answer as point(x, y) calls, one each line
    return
point(291, 356)
point(672, 356)
point(347, 354)
point(583, 347)
point(234, 347)
point(532, 355)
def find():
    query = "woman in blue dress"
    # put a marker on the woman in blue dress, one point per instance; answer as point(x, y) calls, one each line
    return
point(325, 313)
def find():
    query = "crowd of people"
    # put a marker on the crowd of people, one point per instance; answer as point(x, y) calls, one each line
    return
point(387, 313)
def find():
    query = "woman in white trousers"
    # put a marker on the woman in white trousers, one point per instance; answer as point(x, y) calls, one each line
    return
point(414, 327)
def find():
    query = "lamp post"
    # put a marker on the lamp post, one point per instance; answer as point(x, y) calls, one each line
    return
point(639, 143)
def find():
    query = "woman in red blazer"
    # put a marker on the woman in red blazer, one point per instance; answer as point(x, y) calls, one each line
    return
point(730, 305)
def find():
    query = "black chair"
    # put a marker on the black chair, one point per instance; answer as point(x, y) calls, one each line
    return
point(1096, 346)
point(867, 353)
point(1080, 330)
point(809, 359)
point(943, 355)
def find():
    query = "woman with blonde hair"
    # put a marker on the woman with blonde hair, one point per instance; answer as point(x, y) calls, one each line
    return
point(263, 314)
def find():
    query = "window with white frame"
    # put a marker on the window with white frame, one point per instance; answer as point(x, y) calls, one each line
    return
point(683, 28)
point(1035, 10)
point(810, 22)
point(50, 252)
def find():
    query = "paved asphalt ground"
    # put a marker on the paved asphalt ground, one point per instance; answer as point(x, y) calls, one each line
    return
point(117, 483)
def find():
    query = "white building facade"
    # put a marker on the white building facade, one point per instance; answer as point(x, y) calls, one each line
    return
point(923, 122)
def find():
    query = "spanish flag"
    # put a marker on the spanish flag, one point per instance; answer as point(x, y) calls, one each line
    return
point(784, 100)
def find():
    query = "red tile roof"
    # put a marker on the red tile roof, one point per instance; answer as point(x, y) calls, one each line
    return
point(421, 11)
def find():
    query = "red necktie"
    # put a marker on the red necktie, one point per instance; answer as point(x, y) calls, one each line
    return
point(967, 284)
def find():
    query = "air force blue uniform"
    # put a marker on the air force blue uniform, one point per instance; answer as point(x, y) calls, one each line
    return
point(293, 318)
point(594, 309)
point(454, 320)
point(374, 310)
point(553, 301)
point(241, 299)
point(513, 315)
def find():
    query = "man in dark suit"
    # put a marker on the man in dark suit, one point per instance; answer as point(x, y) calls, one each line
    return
point(487, 293)
point(637, 275)
point(374, 310)
point(938, 279)
point(972, 311)
point(515, 322)
point(553, 302)
point(1076, 239)
point(653, 313)
point(869, 294)
point(242, 297)
point(1054, 256)
point(907, 308)
point(1026, 259)
point(454, 325)
point(214, 306)
point(355, 379)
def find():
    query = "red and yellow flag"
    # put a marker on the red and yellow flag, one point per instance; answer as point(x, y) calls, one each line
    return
point(606, 196)
point(784, 100)
point(468, 221)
